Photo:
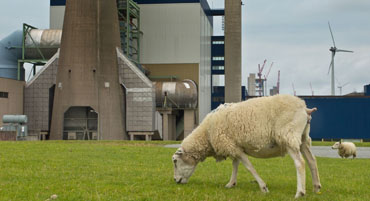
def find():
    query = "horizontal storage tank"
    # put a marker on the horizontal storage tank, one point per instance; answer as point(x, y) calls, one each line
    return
point(10, 52)
point(21, 119)
point(48, 41)
point(182, 94)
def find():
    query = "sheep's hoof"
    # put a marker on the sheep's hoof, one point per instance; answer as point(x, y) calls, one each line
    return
point(264, 189)
point(299, 194)
point(230, 185)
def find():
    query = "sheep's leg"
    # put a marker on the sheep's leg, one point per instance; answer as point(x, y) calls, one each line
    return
point(312, 164)
point(232, 181)
point(247, 164)
point(301, 173)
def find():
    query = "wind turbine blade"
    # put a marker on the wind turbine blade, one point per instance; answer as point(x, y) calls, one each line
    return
point(345, 84)
point(331, 33)
point(339, 84)
point(339, 50)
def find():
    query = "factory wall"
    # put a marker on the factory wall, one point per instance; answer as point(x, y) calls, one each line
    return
point(140, 96)
point(38, 98)
point(340, 117)
point(57, 16)
point(205, 66)
point(177, 41)
point(171, 33)
point(140, 93)
point(11, 97)
point(182, 71)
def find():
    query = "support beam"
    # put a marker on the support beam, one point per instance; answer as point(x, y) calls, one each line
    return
point(189, 122)
point(169, 125)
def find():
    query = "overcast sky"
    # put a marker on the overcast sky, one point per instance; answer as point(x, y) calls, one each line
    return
point(295, 36)
point(292, 34)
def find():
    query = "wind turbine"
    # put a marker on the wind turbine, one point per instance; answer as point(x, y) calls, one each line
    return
point(340, 86)
point(333, 50)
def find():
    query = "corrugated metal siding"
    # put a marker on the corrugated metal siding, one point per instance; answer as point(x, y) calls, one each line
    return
point(171, 33)
point(204, 66)
point(8, 136)
point(367, 90)
point(340, 117)
point(57, 2)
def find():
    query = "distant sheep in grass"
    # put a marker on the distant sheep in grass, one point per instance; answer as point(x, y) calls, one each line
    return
point(260, 127)
point(345, 149)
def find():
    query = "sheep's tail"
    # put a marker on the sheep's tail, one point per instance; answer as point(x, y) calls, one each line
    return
point(310, 111)
point(306, 132)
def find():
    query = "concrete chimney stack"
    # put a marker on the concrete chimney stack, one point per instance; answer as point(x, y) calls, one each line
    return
point(233, 42)
point(87, 75)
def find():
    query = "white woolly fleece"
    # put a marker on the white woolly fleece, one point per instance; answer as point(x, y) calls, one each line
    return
point(250, 126)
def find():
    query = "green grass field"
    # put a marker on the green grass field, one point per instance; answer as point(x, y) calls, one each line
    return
point(123, 170)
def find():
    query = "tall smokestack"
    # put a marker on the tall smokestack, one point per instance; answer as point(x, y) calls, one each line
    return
point(87, 70)
point(233, 73)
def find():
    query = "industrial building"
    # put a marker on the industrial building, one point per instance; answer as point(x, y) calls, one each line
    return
point(144, 69)
point(162, 87)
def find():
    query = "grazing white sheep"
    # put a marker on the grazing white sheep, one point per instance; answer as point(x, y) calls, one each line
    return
point(345, 149)
point(260, 127)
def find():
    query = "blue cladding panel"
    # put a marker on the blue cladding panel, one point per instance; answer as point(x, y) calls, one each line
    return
point(218, 50)
point(165, 1)
point(203, 3)
point(217, 12)
point(57, 2)
point(367, 90)
point(63, 2)
point(340, 117)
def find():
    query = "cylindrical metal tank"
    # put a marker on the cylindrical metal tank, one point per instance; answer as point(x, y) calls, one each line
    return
point(47, 40)
point(9, 55)
point(21, 119)
point(182, 94)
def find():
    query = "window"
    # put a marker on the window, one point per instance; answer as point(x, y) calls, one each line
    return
point(218, 68)
point(218, 58)
point(217, 42)
point(4, 94)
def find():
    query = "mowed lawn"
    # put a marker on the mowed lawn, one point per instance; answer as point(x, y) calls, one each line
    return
point(123, 170)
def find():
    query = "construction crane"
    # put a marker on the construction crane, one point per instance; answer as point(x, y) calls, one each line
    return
point(278, 82)
point(311, 88)
point(294, 92)
point(267, 74)
point(260, 81)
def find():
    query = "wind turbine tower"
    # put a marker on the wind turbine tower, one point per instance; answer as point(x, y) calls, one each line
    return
point(333, 51)
point(340, 86)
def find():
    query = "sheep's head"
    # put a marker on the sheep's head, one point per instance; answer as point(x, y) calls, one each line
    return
point(184, 166)
point(336, 145)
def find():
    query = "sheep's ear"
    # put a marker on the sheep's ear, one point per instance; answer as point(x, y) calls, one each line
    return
point(179, 151)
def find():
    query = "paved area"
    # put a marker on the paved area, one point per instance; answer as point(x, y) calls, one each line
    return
point(326, 151)
point(319, 151)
